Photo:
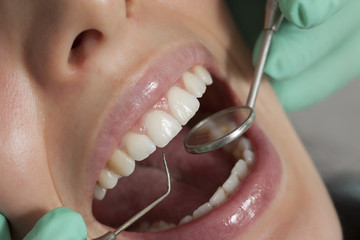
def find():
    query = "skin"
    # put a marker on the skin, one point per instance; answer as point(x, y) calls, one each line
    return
point(53, 100)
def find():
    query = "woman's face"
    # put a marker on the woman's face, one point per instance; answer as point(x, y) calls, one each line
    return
point(80, 80)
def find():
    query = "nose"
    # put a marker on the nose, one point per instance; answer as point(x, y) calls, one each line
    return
point(63, 35)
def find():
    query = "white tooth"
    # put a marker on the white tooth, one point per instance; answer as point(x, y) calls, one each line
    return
point(193, 84)
point(203, 209)
point(231, 184)
point(99, 192)
point(161, 226)
point(108, 179)
point(186, 219)
point(240, 169)
point(203, 74)
point(245, 143)
point(121, 163)
point(249, 157)
point(242, 145)
point(161, 127)
point(183, 105)
point(138, 146)
point(218, 198)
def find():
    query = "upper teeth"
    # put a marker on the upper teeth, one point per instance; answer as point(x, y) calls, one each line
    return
point(161, 125)
point(182, 104)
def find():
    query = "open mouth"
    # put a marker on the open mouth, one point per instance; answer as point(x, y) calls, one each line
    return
point(214, 195)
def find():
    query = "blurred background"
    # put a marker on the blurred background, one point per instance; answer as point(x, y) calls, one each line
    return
point(330, 132)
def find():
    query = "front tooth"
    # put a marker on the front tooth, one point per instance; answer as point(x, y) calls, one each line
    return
point(183, 105)
point(138, 146)
point(203, 74)
point(107, 179)
point(99, 192)
point(121, 163)
point(231, 184)
point(193, 84)
point(161, 127)
point(203, 209)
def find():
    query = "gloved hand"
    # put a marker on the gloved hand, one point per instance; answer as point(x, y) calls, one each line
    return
point(60, 223)
point(314, 53)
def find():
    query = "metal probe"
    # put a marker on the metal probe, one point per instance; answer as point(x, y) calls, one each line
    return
point(200, 138)
point(112, 235)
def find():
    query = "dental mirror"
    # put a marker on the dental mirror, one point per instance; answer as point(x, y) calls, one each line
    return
point(225, 126)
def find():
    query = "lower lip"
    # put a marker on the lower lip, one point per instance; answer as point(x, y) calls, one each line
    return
point(243, 208)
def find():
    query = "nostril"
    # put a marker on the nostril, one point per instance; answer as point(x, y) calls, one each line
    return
point(83, 45)
point(78, 40)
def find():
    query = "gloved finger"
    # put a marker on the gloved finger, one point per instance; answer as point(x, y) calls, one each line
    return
point(4, 229)
point(309, 13)
point(60, 223)
point(293, 50)
point(323, 78)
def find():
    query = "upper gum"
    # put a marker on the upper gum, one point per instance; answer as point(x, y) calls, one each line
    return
point(162, 70)
point(139, 127)
point(162, 104)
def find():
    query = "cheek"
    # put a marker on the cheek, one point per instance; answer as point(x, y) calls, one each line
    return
point(23, 164)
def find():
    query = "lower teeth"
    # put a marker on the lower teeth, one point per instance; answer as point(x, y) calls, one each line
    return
point(242, 151)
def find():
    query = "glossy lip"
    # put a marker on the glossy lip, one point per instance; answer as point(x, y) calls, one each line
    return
point(147, 87)
point(255, 193)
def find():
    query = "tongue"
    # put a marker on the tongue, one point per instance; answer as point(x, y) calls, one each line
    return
point(194, 178)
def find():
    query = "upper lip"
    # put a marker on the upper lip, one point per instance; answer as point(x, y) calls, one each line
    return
point(255, 193)
point(162, 71)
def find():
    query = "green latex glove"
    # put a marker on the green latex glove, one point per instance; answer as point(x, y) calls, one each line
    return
point(4, 229)
point(60, 223)
point(313, 54)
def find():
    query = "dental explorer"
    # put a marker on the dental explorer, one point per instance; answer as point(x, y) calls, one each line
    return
point(112, 235)
point(225, 126)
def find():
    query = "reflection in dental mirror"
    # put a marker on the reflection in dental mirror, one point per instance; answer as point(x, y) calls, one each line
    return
point(219, 129)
